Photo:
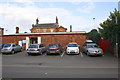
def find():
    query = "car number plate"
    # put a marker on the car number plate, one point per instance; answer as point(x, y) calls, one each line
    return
point(5, 49)
point(72, 51)
point(52, 51)
point(32, 50)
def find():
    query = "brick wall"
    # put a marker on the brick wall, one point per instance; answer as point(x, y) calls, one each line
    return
point(0, 39)
point(47, 39)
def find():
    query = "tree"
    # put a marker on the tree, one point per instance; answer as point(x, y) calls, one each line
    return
point(109, 29)
point(94, 35)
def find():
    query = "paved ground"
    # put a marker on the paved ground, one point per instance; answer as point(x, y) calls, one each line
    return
point(21, 65)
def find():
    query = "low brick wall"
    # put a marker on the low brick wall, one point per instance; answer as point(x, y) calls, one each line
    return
point(47, 39)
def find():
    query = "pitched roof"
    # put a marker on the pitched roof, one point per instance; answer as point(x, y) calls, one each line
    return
point(46, 25)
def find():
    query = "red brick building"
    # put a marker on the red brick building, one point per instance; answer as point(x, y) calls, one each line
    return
point(62, 38)
point(47, 27)
point(44, 33)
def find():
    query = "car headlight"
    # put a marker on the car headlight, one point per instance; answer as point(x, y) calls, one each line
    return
point(77, 50)
point(68, 49)
point(10, 49)
point(100, 51)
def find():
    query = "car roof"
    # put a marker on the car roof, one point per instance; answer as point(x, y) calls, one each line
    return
point(72, 43)
point(54, 43)
point(89, 41)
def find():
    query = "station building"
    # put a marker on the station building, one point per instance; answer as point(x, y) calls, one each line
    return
point(46, 34)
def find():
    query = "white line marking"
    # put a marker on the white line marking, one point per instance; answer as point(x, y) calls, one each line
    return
point(45, 73)
point(81, 54)
point(63, 54)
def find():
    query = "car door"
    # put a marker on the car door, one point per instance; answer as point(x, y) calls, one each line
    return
point(42, 47)
point(18, 47)
point(85, 48)
point(14, 47)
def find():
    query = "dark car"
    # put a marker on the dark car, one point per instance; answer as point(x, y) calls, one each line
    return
point(54, 49)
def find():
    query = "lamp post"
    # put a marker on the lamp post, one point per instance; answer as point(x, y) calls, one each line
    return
point(94, 22)
point(116, 37)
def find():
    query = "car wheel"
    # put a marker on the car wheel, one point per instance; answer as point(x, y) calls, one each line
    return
point(78, 53)
point(21, 50)
point(88, 53)
point(29, 54)
point(41, 52)
point(13, 52)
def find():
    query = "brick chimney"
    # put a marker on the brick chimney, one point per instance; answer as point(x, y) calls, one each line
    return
point(70, 28)
point(1, 31)
point(56, 20)
point(37, 21)
point(17, 30)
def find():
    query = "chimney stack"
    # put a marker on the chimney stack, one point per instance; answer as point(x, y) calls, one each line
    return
point(17, 30)
point(1, 31)
point(70, 28)
point(56, 20)
point(37, 21)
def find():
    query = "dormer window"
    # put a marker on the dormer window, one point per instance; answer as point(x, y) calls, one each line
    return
point(44, 30)
point(51, 30)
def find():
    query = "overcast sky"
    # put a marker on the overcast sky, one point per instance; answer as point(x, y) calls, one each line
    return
point(78, 13)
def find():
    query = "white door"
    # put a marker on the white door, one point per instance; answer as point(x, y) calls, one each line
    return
point(27, 42)
point(39, 40)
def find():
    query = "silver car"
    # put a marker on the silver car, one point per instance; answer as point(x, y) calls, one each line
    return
point(36, 49)
point(92, 49)
point(11, 48)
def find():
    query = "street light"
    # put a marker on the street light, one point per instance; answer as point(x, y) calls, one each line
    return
point(94, 22)
point(116, 20)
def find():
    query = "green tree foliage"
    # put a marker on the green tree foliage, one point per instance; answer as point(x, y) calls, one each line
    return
point(94, 35)
point(109, 28)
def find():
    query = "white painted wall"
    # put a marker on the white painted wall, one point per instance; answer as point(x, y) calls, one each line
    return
point(27, 42)
point(39, 40)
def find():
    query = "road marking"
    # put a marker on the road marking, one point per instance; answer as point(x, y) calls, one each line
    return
point(81, 54)
point(63, 54)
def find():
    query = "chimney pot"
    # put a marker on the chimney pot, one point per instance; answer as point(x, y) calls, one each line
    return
point(70, 28)
point(37, 21)
point(56, 20)
point(1, 31)
point(17, 29)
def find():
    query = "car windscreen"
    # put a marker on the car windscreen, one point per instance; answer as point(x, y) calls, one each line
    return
point(72, 45)
point(53, 46)
point(33, 46)
point(0, 45)
point(92, 46)
point(7, 45)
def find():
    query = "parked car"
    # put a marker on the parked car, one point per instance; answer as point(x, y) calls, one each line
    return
point(89, 41)
point(72, 48)
point(54, 49)
point(92, 49)
point(36, 49)
point(11, 48)
point(1, 46)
